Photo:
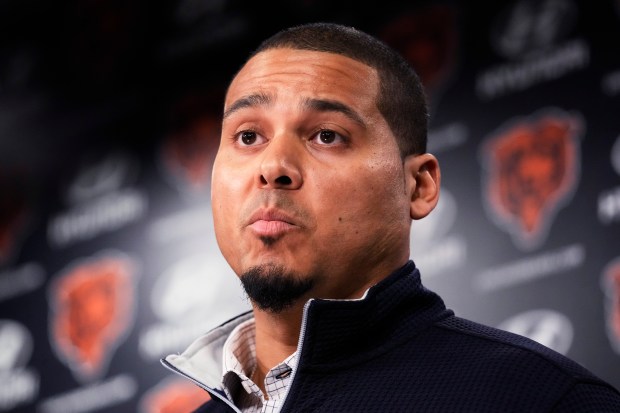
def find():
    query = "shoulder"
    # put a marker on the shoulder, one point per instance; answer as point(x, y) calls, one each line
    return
point(515, 354)
point(585, 397)
point(503, 360)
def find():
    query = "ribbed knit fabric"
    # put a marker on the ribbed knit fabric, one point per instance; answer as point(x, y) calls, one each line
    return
point(400, 350)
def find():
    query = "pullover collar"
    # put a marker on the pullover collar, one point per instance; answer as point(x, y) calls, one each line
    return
point(392, 312)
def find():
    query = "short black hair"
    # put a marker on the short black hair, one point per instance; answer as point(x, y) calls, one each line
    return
point(401, 99)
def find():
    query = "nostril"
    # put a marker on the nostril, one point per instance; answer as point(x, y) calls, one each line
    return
point(263, 181)
point(284, 180)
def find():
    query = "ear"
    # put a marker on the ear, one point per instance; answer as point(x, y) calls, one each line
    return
point(422, 182)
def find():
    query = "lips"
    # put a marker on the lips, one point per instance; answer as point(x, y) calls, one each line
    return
point(271, 223)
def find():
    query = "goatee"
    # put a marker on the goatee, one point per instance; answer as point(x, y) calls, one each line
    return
point(271, 288)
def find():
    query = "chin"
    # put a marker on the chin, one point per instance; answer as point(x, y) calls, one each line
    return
point(273, 288)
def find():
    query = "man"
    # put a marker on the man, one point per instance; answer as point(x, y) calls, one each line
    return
point(322, 166)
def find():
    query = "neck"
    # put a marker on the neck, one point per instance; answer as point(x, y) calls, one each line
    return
point(277, 336)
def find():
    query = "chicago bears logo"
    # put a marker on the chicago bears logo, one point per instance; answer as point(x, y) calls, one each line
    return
point(92, 309)
point(427, 38)
point(532, 169)
point(173, 396)
point(188, 150)
point(611, 287)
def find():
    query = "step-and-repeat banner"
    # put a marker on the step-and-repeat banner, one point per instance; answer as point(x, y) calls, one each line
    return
point(109, 122)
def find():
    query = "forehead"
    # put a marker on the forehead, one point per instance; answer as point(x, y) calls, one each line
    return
point(303, 73)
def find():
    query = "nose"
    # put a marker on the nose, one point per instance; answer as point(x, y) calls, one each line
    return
point(280, 164)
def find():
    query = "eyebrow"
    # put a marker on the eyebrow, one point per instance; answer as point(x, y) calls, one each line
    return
point(326, 105)
point(256, 99)
point(319, 105)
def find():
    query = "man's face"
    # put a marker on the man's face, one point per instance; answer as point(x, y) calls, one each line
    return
point(308, 175)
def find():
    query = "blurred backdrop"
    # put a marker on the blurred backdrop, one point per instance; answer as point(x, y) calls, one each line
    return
point(109, 122)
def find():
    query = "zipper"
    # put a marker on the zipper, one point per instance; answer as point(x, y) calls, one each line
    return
point(209, 390)
point(300, 344)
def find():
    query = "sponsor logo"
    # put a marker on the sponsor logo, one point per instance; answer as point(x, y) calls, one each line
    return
point(447, 137)
point(193, 295)
point(529, 27)
point(514, 77)
point(16, 345)
point(611, 287)
point(172, 396)
point(532, 34)
point(609, 200)
point(21, 280)
point(92, 310)
point(559, 261)
point(18, 384)
point(102, 176)
point(532, 168)
point(432, 248)
point(99, 202)
point(548, 327)
point(182, 226)
point(427, 38)
point(609, 206)
point(201, 25)
point(188, 151)
point(93, 397)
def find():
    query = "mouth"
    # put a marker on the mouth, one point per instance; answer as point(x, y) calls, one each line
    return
point(271, 223)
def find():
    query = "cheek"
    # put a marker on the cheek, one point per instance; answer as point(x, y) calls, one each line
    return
point(226, 179)
point(365, 194)
point(226, 191)
point(224, 203)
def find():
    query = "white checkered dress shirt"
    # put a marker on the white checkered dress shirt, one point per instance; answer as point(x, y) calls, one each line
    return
point(239, 365)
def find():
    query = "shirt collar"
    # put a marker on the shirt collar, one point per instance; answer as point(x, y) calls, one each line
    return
point(239, 351)
point(239, 363)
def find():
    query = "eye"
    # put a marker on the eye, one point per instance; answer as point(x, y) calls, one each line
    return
point(328, 137)
point(248, 138)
